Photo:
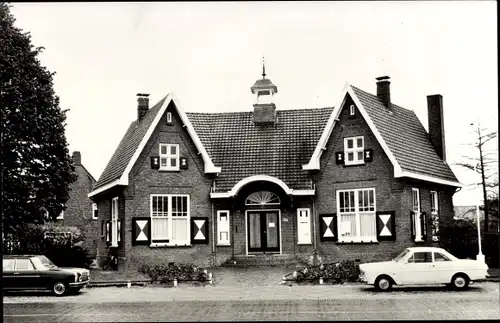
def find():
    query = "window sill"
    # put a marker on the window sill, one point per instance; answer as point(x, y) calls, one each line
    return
point(354, 164)
point(223, 245)
point(304, 243)
point(168, 245)
point(372, 241)
point(168, 170)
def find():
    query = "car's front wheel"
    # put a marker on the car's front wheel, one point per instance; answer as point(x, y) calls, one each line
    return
point(383, 283)
point(460, 281)
point(59, 289)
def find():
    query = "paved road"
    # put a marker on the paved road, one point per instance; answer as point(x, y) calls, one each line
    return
point(348, 302)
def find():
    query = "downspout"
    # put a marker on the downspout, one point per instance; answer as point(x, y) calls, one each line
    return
point(315, 251)
point(213, 230)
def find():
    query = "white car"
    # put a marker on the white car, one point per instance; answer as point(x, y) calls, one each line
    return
point(423, 266)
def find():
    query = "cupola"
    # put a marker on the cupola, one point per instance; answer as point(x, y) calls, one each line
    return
point(264, 111)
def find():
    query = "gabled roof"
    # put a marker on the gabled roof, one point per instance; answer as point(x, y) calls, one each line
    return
point(401, 135)
point(133, 142)
point(244, 149)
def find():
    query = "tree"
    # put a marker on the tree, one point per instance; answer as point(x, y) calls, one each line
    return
point(489, 174)
point(36, 167)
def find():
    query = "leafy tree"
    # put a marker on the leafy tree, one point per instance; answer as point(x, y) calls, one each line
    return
point(36, 167)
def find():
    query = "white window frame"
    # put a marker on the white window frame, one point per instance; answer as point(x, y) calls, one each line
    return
point(303, 239)
point(170, 220)
point(354, 150)
point(416, 208)
point(169, 156)
point(169, 117)
point(435, 215)
point(115, 207)
point(223, 227)
point(352, 110)
point(94, 209)
point(357, 237)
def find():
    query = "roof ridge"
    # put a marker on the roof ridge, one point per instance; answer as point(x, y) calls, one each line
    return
point(248, 112)
point(377, 98)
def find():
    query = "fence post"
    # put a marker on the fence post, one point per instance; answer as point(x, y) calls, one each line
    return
point(129, 284)
point(321, 280)
point(175, 282)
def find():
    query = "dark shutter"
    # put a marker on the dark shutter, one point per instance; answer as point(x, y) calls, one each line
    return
point(141, 231)
point(386, 226)
point(103, 228)
point(368, 155)
point(199, 230)
point(328, 227)
point(339, 157)
point(155, 162)
point(119, 231)
point(183, 163)
point(423, 225)
point(412, 225)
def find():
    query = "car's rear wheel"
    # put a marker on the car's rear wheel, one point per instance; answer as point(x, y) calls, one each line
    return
point(59, 289)
point(460, 281)
point(383, 283)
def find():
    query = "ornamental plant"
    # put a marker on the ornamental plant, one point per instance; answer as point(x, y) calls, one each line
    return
point(165, 273)
point(336, 273)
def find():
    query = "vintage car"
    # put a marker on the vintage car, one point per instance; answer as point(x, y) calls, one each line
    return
point(423, 266)
point(37, 272)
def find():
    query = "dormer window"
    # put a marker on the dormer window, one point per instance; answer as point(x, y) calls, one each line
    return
point(169, 157)
point(354, 150)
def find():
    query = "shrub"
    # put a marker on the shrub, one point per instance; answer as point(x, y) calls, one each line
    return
point(344, 271)
point(165, 273)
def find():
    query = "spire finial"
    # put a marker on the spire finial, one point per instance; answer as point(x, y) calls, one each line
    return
point(263, 67)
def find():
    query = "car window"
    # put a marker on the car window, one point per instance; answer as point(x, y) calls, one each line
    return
point(419, 257)
point(440, 257)
point(24, 264)
point(8, 264)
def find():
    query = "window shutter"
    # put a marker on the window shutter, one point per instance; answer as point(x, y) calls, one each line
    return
point(339, 157)
point(183, 163)
point(103, 228)
point(423, 225)
point(412, 225)
point(141, 231)
point(328, 227)
point(119, 231)
point(199, 230)
point(304, 226)
point(155, 162)
point(368, 155)
point(223, 237)
point(386, 226)
point(108, 232)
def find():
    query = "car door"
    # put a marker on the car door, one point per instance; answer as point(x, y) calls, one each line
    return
point(8, 272)
point(442, 269)
point(417, 269)
point(25, 275)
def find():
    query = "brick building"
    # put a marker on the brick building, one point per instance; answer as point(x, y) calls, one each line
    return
point(361, 180)
point(80, 211)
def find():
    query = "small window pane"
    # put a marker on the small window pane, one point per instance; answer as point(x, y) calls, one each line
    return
point(223, 236)
point(350, 156)
point(360, 155)
point(173, 162)
point(163, 150)
point(173, 150)
point(163, 162)
point(422, 257)
point(350, 143)
point(8, 264)
point(341, 201)
point(360, 142)
point(223, 218)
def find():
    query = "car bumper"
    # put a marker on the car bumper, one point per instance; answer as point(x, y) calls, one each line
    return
point(79, 284)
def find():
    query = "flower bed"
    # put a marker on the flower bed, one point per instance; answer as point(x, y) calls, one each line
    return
point(334, 273)
point(178, 272)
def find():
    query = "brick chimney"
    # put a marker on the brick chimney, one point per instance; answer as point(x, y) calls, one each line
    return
point(77, 158)
point(436, 124)
point(142, 105)
point(384, 90)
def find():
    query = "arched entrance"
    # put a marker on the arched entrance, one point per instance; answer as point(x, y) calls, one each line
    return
point(263, 222)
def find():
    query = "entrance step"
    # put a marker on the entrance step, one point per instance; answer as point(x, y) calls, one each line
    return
point(264, 260)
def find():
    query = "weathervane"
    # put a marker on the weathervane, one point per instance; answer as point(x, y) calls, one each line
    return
point(263, 68)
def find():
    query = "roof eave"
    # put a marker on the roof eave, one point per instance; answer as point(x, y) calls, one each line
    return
point(427, 178)
point(105, 187)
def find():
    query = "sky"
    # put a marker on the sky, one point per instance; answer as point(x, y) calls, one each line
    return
point(210, 53)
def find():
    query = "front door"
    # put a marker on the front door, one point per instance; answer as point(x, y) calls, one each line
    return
point(263, 231)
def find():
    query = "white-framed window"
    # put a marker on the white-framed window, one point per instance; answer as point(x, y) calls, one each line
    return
point(114, 222)
point(352, 110)
point(303, 226)
point(435, 215)
point(223, 228)
point(354, 150)
point(356, 209)
point(95, 212)
point(415, 193)
point(169, 157)
point(169, 117)
point(170, 216)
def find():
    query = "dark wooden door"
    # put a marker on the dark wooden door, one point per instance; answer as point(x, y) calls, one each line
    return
point(263, 231)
